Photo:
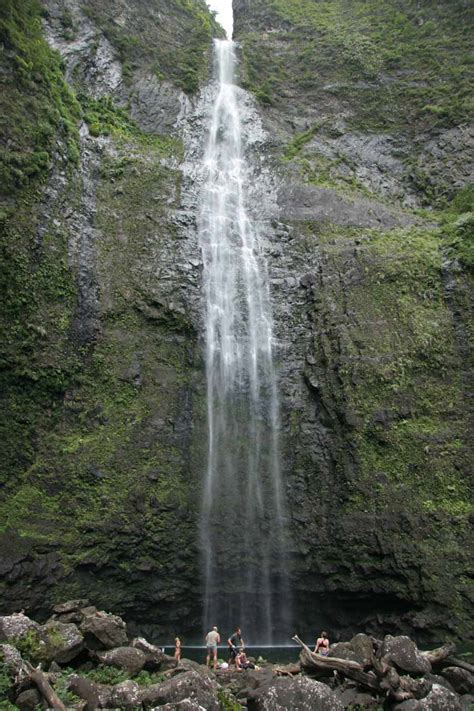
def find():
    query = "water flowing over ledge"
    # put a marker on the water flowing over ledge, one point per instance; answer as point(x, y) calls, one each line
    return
point(242, 517)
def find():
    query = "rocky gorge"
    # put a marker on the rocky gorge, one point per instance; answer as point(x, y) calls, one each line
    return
point(362, 157)
point(93, 664)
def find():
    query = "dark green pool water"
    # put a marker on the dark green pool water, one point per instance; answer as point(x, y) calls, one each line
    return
point(275, 655)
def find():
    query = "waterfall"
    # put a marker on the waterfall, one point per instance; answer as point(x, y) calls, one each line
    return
point(243, 512)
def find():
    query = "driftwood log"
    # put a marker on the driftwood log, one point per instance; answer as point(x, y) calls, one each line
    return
point(435, 656)
point(27, 673)
point(321, 665)
point(456, 662)
point(384, 680)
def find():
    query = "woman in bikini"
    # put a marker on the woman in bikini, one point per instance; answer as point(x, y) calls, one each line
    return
point(322, 644)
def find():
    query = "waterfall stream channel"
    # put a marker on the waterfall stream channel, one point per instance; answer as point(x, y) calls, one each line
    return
point(243, 508)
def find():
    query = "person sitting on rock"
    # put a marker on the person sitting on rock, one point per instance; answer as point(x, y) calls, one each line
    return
point(322, 644)
point(241, 661)
point(235, 643)
point(177, 648)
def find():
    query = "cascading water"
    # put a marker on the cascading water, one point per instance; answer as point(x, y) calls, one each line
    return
point(242, 517)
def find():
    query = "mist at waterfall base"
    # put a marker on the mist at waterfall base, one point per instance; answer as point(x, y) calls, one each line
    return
point(243, 529)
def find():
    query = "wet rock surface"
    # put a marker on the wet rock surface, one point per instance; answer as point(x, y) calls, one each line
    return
point(404, 654)
point(316, 683)
point(300, 694)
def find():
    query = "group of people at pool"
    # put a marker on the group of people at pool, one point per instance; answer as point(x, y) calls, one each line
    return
point(237, 649)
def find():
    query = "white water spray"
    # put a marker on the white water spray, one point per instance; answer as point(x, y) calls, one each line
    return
point(242, 519)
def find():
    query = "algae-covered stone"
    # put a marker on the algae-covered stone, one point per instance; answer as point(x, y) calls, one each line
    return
point(63, 641)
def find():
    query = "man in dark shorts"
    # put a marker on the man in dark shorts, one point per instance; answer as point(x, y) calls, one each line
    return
point(235, 644)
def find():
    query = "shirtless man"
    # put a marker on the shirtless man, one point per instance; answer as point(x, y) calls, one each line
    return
point(213, 638)
point(322, 644)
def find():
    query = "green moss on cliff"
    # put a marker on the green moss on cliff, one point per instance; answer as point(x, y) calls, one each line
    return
point(36, 105)
point(397, 371)
point(38, 292)
point(387, 64)
point(173, 38)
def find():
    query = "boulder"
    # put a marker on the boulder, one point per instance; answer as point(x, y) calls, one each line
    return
point(403, 653)
point(342, 650)
point(28, 700)
point(467, 702)
point(439, 699)
point(14, 627)
point(63, 641)
point(95, 695)
point(461, 680)
point(11, 657)
point(363, 647)
point(191, 685)
point(153, 655)
point(297, 694)
point(104, 631)
point(437, 679)
point(129, 659)
point(353, 698)
point(70, 606)
point(126, 695)
point(184, 705)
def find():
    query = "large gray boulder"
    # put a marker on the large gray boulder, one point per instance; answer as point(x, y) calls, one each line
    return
point(363, 648)
point(439, 699)
point(297, 694)
point(70, 606)
point(28, 700)
point(127, 658)
point(63, 641)
point(14, 627)
point(461, 680)
point(342, 650)
point(95, 695)
point(11, 657)
point(403, 653)
point(154, 656)
point(104, 631)
point(191, 685)
point(126, 695)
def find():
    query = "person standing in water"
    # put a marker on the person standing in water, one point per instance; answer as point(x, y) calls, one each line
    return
point(177, 648)
point(213, 638)
point(322, 644)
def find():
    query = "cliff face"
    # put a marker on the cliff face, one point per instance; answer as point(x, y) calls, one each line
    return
point(103, 394)
point(103, 426)
point(367, 107)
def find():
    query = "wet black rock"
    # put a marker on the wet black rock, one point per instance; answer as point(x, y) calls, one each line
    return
point(461, 680)
point(298, 694)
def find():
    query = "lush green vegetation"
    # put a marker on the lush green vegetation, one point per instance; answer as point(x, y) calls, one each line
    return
point(398, 379)
point(37, 107)
point(172, 38)
point(38, 128)
point(387, 64)
point(76, 429)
